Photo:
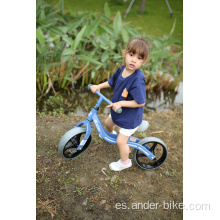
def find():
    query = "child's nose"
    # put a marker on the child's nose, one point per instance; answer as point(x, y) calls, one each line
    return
point(134, 59)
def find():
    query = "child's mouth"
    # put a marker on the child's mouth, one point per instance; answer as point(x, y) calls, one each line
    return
point(131, 65)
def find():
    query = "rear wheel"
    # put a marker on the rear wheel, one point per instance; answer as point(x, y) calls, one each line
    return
point(156, 148)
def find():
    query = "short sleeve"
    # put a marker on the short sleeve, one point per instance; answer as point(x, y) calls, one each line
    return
point(138, 91)
point(113, 79)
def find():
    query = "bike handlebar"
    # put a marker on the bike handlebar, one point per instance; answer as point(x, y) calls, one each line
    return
point(119, 111)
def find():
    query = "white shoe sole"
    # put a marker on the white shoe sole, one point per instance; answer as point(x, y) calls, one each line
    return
point(117, 168)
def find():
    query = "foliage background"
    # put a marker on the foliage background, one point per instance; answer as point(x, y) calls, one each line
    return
point(85, 47)
point(155, 20)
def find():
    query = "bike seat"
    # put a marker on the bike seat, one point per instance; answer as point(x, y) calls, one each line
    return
point(143, 126)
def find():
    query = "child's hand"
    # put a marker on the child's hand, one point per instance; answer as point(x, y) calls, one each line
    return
point(94, 88)
point(115, 106)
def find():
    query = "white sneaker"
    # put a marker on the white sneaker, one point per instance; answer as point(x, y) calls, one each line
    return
point(118, 166)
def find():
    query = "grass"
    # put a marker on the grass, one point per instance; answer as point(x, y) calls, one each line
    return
point(155, 20)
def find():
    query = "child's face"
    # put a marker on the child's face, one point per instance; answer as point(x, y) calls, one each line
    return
point(133, 61)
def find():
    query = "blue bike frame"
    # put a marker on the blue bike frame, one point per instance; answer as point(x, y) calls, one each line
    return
point(111, 138)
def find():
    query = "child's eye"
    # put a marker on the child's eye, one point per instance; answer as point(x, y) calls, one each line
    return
point(139, 58)
point(131, 54)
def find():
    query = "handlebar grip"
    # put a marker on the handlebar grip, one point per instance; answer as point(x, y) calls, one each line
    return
point(89, 86)
point(118, 111)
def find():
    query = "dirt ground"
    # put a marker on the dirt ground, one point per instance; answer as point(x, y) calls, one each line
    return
point(85, 187)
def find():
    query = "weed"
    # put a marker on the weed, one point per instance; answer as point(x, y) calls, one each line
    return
point(69, 180)
point(80, 190)
point(46, 206)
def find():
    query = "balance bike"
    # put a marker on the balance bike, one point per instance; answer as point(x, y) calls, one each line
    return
point(149, 153)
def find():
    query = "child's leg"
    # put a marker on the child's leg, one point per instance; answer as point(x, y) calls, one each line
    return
point(124, 162)
point(109, 125)
point(123, 147)
point(122, 139)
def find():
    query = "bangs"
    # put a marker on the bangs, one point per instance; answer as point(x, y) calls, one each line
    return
point(139, 47)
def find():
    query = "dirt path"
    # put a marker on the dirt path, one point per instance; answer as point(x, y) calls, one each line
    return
point(85, 187)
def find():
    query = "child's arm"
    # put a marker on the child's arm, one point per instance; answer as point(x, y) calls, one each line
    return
point(128, 104)
point(100, 86)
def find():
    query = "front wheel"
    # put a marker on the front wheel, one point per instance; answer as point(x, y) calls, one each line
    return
point(156, 147)
point(70, 141)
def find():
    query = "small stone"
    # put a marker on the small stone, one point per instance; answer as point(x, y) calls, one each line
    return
point(113, 178)
point(107, 207)
point(85, 201)
point(102, 202)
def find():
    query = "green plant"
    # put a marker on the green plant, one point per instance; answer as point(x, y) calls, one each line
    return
point(71, 47)
point(53, 106)
point(86, 48)
point(80, 190)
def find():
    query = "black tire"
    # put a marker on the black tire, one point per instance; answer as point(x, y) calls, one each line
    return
point(68, 145)
point(158, 148)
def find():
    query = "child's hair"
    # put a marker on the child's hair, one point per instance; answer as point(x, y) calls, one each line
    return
point(138, 45)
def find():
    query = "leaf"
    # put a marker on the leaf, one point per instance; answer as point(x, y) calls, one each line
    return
point(108, 29)
point(78, 38)
point(68, 40)
point(92, 27)
point(160, 54)
point(158, 43)
point(93, 74)
point(147, 72)
point(132, 31)
point(174, 68)
point(178, 54)
point(152, 74)
point(42, 49)
point(98, 67)
point(46, 68)
point(69, 79)
point(124, 34)
point(40, 36)
point(42, 15)
point(117, 56)
point(84, 57)
point(73, 26)
point(175, 83)
point(112, 44)
point(65, 58)
point(51, 34)
point(117, 24)
point(104, 57)
point(107, 10)
point(62, 6)
point(174, 42)
point(53, 14)
point(56, 30)
point(68, 51)
point(64, 29)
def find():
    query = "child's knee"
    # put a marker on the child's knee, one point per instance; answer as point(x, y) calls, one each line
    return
point(108, 123)
point(122, 140)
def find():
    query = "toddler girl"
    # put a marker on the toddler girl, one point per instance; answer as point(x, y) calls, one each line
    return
point(130, 95)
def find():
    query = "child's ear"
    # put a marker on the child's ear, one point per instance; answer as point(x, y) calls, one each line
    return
point(146, 60)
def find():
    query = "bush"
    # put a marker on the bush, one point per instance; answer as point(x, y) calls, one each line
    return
point(86, 48)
